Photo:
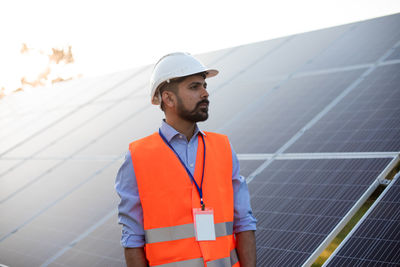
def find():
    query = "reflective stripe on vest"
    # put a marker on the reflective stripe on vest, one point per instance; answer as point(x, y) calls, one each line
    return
point(183, 231)
point(224, 262)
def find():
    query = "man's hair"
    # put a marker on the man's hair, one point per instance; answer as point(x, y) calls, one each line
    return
point(172, 86)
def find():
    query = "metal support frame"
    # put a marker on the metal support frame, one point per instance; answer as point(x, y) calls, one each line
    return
point(340, 155)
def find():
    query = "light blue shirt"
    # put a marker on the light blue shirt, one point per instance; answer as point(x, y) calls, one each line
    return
point(130, 212)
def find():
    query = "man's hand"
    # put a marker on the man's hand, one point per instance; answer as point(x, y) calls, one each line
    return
point(246, 248)
point(135, 257)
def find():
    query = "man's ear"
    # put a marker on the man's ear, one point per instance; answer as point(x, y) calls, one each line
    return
point(168, 98)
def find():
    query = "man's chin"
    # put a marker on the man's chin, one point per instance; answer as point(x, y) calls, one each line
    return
point(204, 114)
point(203, 117)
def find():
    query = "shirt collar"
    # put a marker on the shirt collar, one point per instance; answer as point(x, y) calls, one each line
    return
point(169, 132)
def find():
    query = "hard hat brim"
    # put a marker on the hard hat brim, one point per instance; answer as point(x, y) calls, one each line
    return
point(211, 73)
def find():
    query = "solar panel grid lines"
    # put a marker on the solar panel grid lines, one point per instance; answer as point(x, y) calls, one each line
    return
point(4, 152)
point(88, 250)
point(53, 202)
point(70, 219)
point(254, 156)
point(57, 138)
point(12, 136)
point(329, 107)
point(246, 68)
point(290, 102)
point(213, 58)
point(78, 239)
point(284, 62)
point(59, 131)
point(280, 82)
point(302, 73)
point(378, 33)
point(279, 198)
point(35, 107)
point(375, 239)
point(385, 172)
point(18, 105)
point(73, 153)
point(43, 100)
point(368, 117)
point(49, 109)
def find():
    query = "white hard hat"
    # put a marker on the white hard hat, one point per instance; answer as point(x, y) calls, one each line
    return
point(172, 66)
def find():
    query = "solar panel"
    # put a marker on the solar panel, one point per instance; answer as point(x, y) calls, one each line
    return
point(54, 109)
point(367, 119)
point(286, 60)
point(363, 43)
point(16, 178)
point(99, 247)
point(376, 241)
point(236, 61)
point(276, 115)
point(299, 202)
point(44, 224)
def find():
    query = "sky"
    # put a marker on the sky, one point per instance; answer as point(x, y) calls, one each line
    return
point(116, 35)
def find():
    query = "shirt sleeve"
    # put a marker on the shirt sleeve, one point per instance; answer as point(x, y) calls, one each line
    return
point(243, 219)
point(130, 212)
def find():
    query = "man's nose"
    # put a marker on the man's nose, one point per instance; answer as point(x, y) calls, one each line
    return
point(205, 93)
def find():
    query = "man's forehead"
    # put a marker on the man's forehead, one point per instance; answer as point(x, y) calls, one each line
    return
point(194, 78)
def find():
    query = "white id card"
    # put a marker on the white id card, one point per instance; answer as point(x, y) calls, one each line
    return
point(204, 224)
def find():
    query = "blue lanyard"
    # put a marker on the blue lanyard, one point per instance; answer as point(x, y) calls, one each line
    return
point(199, 189)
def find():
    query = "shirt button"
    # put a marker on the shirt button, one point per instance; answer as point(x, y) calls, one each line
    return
point(191, 165)
point(180, 136)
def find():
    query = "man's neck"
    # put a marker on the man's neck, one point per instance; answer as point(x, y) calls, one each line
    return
point(184, 127)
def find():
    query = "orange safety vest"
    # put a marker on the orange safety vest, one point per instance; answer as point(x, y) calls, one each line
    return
point(168, 197)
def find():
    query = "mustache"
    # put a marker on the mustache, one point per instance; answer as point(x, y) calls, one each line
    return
point(204, 101)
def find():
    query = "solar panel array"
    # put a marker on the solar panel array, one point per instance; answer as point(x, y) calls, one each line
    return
point(377, 239)
point(333, 90)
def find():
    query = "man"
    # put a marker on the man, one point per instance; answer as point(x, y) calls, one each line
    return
point(183, 202)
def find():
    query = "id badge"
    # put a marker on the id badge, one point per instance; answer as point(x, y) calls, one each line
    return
point(204, 224)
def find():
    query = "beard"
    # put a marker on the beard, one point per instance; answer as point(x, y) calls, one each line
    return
point(195, 115)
